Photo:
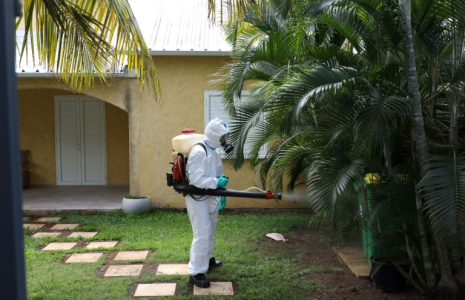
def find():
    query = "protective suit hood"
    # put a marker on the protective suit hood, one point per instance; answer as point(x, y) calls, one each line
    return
point(215, 129)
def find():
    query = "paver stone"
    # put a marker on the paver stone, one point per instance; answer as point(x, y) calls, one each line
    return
point(83, 234)
point(48, 219)
point(93, 245)
point(64, 226)
point(46, 234)
point(155, 289)
point(131, 255)
point(59, 246)
point(172, 269)
point(33, 226)
point(123, 270)
point(83, 258)
point(216, 288)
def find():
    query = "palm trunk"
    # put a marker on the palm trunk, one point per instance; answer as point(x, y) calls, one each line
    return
point(457, 267)
point(447, 282)
point(457, 55)
point(411, 256)
point(431, 278)
point(418, 136)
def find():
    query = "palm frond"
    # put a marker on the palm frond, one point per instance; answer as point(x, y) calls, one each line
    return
point(444, 189)
point(77, 40)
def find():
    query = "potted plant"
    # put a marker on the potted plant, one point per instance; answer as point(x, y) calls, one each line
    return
point(136, 204)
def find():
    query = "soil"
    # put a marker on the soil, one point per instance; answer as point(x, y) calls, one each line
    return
point(316, 249)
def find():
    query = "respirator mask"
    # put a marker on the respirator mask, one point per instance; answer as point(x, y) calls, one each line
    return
point(228, 148)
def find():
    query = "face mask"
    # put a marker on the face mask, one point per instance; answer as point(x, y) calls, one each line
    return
point(228, 148)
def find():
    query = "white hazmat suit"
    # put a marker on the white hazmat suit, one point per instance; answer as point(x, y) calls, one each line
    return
point(203, 168)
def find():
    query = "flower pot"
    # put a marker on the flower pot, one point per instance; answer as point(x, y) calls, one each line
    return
point(139, 205)
point(385, 276)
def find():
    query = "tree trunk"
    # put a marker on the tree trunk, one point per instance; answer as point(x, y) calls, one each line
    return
point(457, 56)
point(447, 281)
point(412, 257)
point(418, 135)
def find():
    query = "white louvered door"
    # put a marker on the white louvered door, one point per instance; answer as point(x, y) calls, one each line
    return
point(80, 140)
point(67, 135)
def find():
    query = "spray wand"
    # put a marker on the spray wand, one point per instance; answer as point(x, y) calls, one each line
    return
point(179, 181)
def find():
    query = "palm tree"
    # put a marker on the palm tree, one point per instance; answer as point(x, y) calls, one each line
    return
point(77, 40)
point(339, 89)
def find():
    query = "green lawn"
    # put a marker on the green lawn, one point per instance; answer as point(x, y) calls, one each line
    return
point(255, 274)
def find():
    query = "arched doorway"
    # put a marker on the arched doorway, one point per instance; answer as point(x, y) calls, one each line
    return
point(74, 140)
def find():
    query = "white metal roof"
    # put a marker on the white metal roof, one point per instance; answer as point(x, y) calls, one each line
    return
point(169, 27)
point(179, 27)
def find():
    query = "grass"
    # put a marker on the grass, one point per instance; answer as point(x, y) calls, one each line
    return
point(255, 274)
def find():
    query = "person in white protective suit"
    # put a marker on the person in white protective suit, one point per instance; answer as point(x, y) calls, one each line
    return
point(205, 170)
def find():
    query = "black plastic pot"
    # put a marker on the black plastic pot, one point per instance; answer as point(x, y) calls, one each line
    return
point(385, 276)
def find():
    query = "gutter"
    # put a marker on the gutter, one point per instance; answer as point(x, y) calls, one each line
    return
point(45, 74)
point(50, 75)
point(189, 53)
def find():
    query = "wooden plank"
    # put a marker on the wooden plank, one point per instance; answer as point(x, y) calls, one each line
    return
point(355, 259)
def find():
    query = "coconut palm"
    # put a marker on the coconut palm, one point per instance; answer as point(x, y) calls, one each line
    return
point(77, 40)
point(334, 89)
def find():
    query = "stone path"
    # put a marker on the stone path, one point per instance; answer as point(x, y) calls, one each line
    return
point(83, 258)
point(131, 255)
point(118, 270)
point(155, 289)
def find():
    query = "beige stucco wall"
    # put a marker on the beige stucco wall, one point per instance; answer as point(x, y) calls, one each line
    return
point(37, 133)
point(117, 132)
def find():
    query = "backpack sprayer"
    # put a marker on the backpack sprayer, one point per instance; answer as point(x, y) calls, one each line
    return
point(182, 145)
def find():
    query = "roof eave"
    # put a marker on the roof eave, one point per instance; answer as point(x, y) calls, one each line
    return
point(50, 75)
point(189, 53)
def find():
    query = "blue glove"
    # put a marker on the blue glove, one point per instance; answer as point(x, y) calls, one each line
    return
point(222, 203)
point(222, 181)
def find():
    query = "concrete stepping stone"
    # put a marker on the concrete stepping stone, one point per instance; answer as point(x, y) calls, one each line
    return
point(48, 219)
point(83, 258)
point(172, 269)
point(131, 255)
point(216, 288)
point(33, 226)
point(123, 270)
point(46, 234)
point(94, 245)
point(64, 226)
point(59, 246)
point(86, 234)
point(155, 289)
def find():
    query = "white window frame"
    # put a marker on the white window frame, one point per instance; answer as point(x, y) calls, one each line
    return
point(208, 95)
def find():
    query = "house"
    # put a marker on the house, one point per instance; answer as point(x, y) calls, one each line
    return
point(117, 134)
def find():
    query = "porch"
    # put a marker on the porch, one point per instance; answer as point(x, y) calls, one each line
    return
point(77, 199)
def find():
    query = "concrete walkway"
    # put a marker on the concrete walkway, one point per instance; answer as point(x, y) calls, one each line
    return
point(77, 199)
